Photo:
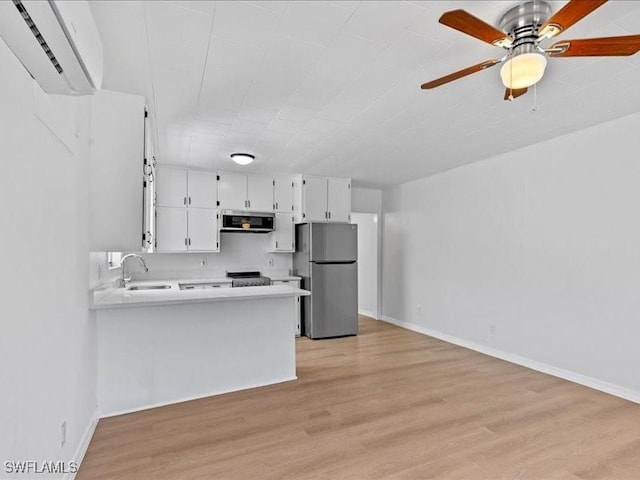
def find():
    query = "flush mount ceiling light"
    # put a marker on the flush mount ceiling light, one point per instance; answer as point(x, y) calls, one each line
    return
point(242, 158)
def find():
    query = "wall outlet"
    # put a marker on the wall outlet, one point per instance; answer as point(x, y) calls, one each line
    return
point(492, 329)
point(203, 263)
point(270, 262)
point(63, 433)
point(419, 309)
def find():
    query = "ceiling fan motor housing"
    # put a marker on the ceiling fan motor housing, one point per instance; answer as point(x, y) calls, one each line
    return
point(522, 23)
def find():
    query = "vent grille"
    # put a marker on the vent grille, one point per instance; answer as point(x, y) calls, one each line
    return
point(36, 33)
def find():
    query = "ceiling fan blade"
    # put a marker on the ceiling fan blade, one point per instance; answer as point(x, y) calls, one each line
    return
point(514, 93)
point(459, 74)
point(466, 23)
point(571, 13)
point(596, 47)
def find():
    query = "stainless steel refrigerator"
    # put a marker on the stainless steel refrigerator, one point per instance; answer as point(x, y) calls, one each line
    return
point(326, 258)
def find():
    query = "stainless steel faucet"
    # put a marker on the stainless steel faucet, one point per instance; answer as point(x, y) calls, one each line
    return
point(123, 279)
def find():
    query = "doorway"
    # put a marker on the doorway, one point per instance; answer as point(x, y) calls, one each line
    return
point(367, 263)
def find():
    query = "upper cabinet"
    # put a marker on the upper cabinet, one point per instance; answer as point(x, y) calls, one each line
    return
point(245, 192)
point(283, 195)
point(171, 187)
point(322, 199)
point(202, 189)
point(116, 167)
point(186, 210)
point(178, 187)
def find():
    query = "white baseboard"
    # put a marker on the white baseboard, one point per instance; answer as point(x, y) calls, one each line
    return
point(194, 397)
point(81, 450)
point(367, 313)
point(591, 382)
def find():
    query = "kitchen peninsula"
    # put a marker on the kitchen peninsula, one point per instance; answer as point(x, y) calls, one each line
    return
point(167, 345)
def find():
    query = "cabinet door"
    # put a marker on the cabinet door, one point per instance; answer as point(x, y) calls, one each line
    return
point(203, 230)
point(171, 187)
point(232, 191)
point(314, 194)
point(339, 199)
point(283, 195)
point(203, 189)
point(260, 193)
point(171, 229)
point(282, 238)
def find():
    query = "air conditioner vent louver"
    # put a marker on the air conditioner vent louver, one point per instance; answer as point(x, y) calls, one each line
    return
point(36, 33)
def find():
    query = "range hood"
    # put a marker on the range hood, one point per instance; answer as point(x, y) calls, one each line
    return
point(248, 222)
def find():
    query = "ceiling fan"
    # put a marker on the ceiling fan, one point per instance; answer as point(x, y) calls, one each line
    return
point(521, 30)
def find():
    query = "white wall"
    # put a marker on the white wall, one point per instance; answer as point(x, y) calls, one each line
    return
point(47, 336)
point(542, 243)
point(367, 262)
point(366, 200)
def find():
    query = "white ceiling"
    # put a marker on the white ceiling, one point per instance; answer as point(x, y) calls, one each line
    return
point(333, 88)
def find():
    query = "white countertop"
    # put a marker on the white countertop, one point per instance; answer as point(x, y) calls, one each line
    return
point(121, 298)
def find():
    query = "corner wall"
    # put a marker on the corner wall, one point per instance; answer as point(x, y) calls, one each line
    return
point(47, 336)
point(533, 255)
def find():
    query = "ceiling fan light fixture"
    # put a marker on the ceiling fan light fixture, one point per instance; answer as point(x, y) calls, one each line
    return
point(242, 158)
point(523, 70)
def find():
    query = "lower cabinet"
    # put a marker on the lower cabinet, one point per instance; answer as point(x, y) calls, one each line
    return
point(187, 230)
point(282, 239)
point(296, 284)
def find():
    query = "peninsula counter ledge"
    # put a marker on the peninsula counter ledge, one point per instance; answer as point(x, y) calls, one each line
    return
point(166, 346)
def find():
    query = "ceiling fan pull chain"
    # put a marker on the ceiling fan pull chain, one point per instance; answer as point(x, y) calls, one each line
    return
point(534, 107)
point(511, 82)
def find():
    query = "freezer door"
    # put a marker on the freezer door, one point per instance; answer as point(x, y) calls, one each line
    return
point(334, 300)
point(334, 242)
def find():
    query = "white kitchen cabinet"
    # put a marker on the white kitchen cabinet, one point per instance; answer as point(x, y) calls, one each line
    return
point(339, 199)
point(314, 199)
point(232, 191)
point(116, 173)
point(202, 189)
point(283, 194)
point(282, 239)
point(295, 284)
point(202, 230)
point(259, 193)
point(245, 192)
point(171, 187)
point(186, 230)
point(322, 199)
point(171, 229)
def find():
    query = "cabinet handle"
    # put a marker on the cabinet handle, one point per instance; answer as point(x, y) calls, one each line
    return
point(276, 244)
point(189, 200)
point(184, 201)
point(276, 205)
point(249, 203)
point(189, 241)
point(185, 242)
point(329, 214)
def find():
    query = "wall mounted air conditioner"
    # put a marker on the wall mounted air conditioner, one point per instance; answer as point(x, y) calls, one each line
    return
point(57, 42)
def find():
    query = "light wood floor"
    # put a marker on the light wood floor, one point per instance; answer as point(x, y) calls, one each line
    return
point(388, 404)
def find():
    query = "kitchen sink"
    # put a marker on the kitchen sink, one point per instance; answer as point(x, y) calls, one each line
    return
point(148, 287)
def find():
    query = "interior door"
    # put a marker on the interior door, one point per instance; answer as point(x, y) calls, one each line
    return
point(203, 230)
point(260, 193)
point(339, 199)
point(171, 187)
point(203, 189)
point(171, 229)
point(315, 199)
point(334, 300)
point(232, 191)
